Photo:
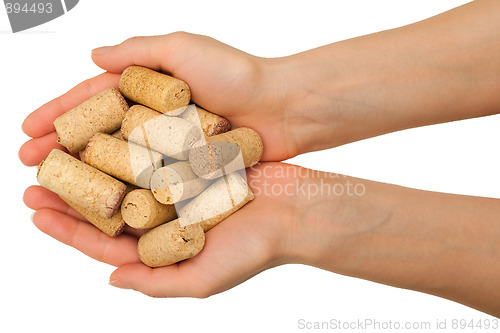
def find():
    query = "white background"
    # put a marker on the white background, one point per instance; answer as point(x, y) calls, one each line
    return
point(46, 285)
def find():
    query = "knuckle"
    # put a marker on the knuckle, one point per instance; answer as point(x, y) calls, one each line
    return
point(133, 40)
point(179, 38)
point(180, 34)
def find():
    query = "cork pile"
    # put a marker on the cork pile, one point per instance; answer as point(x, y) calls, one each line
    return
point(162, 164)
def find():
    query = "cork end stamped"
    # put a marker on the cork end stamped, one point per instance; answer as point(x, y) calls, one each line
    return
point(220, 127)
point(135, 210)
point(86, 152)
point(65, 142)
point(160, 187)
point(39, 169)
point(41, 166)
point(114, 201)
point(163, 196)
point(118, 231)
point(124, 129)
point(214, 159)
point(121, 102)
point(177, 98)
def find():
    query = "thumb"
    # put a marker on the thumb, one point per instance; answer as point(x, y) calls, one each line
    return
point(169, 281)
point(155, 52)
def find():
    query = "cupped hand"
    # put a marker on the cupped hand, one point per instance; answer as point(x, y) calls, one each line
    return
point(245, 89)
point(253, 239)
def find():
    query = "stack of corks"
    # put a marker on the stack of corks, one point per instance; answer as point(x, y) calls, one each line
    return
point(162, 164)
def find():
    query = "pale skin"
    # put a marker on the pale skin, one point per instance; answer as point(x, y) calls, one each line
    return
point(442, 69)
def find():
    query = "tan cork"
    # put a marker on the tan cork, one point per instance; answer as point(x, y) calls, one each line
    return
point(171, 136)
point(225, 153)
point(211, 124)
point(170, 243)
point(158, 91)
point(118, 134)
point(103, 112)
point(81, 183)
point(121, 159)
point(141, 210)
point(176, 182)
point(136, 117)
point(217, 202)
point(111, 226)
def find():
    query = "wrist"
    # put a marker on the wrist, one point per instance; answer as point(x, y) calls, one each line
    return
point(331, 212)
point(327, 101)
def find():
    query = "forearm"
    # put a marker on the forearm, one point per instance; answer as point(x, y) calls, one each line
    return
point(441, 244)
point(442, 69)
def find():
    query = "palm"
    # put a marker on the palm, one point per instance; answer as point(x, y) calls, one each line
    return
point(245, 244)
point(232, 88)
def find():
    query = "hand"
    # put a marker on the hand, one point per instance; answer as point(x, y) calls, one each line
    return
point(245, 89)
point(249, 241)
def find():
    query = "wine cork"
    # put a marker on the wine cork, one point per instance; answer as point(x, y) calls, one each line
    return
point(78, 182)
point(176, 182)
point(217, 202)
point(211, 124)
point(103, 112)
point(141, 210)
point(136, 117)
point(225, 153)
point(124, 160)
point(170, 243)
point(158, 91)
point(171, 136)
point(112, 226)
point(117, 134)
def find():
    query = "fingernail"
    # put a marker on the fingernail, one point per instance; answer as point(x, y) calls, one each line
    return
point(101, 50)
point(118, 284)
point(32, 216)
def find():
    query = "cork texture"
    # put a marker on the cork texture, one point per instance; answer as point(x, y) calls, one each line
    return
point(176, 182)
point(103, 112)
point(121, 159)
point(118, 134)
point(170, 243)
point(247, 139)
point(136, 117)
point(81, 183)
point(214, 160)
point(158, 91)
point(210, 123)
point(171, 136)
point(217, 202)
point(113, 226)
point(225, 153)
point(141, 210)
